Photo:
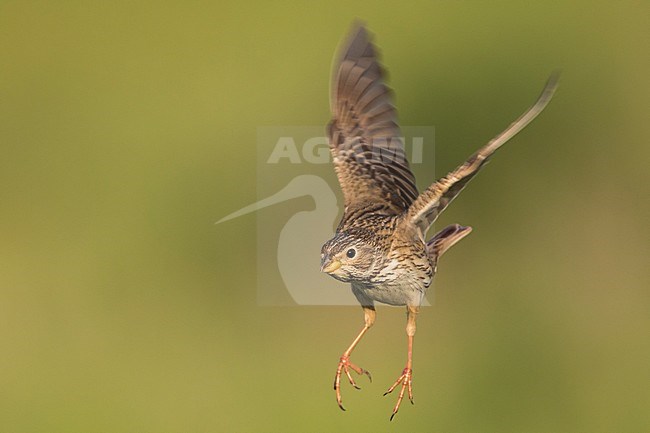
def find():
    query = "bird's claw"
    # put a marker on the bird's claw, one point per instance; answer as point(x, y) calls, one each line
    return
point(345, 366)
point(405, 379)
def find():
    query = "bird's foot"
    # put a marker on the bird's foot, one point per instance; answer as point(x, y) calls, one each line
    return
point(345, 366)
point(405, 380)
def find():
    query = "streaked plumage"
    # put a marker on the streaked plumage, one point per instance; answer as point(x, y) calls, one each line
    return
point(380, 246)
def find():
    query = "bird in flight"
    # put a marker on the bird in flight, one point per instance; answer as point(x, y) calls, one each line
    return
point(380, 244)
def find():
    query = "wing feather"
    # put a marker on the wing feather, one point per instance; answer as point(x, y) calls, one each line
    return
point(426, 208)
point(365, 139)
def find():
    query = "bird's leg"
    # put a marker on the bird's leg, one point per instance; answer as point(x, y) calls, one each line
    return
point(344, 363)
point(407, 374)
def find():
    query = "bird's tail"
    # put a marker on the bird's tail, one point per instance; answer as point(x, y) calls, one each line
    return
point(445, 239)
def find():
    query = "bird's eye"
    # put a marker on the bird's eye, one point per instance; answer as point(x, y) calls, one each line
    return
point(351, 253)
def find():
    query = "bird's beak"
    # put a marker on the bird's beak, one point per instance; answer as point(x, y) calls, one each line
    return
point(330, 266)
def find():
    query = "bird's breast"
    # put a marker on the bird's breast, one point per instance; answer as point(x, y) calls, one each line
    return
point(400, 281)
point(400, 291)
point(405, 267)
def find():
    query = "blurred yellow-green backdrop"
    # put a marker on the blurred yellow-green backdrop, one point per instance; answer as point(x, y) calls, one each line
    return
point(128, 128)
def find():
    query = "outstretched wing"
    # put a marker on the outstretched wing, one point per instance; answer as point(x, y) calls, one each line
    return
point(426, 208)
point(365, 140)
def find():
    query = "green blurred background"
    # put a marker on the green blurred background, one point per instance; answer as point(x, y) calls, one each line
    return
point(127, 129)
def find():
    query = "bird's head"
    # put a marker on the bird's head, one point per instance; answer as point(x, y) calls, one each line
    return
point(348, 257)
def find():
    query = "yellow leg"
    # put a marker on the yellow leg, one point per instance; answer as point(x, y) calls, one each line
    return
point(344, 362)
point(407, 374)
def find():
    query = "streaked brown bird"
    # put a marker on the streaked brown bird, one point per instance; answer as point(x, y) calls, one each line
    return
point(380, 245)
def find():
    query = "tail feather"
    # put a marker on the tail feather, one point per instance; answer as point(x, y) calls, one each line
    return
point(445, 239)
